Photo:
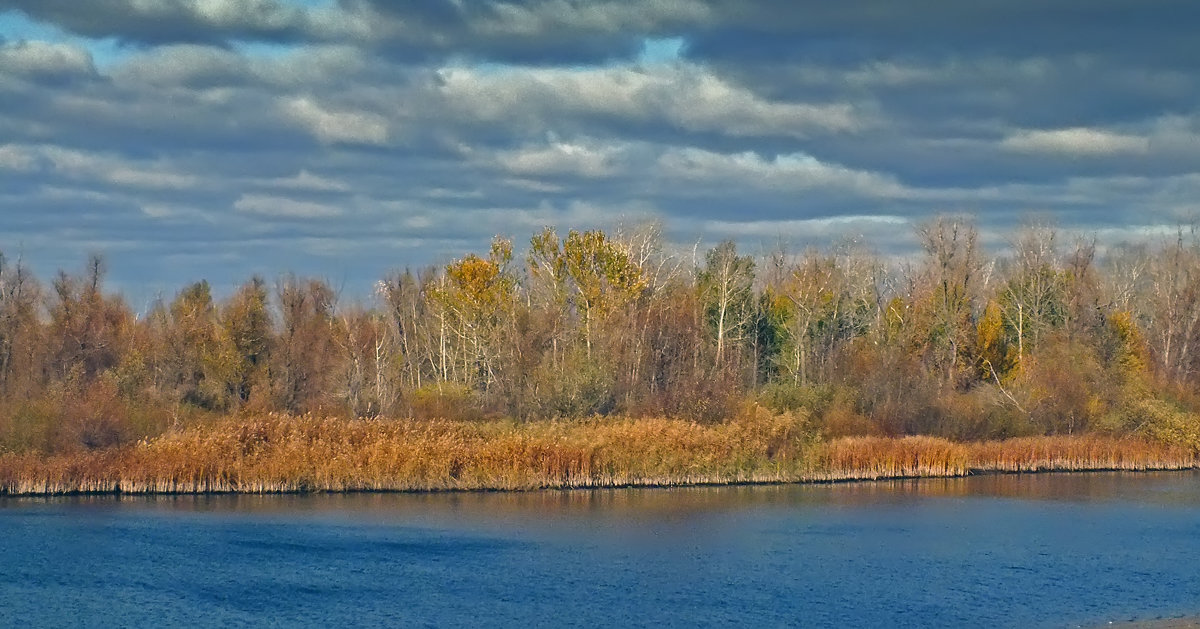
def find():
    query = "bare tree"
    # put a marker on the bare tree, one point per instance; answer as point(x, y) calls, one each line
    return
point(1034, 297)
point(726, 285)
point(1173, 306)
point(948, 275)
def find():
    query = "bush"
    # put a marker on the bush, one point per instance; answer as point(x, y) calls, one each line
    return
point(445, 401)
point(580, 391)
point(1165, 422)
point(782, 396)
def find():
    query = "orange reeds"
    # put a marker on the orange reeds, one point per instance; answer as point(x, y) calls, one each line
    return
point(290, 454)
point(1070, 452)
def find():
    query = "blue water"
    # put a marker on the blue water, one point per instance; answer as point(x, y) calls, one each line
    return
point(998, 551)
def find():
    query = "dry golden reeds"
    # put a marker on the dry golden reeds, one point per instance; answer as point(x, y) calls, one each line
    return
point(295, 454)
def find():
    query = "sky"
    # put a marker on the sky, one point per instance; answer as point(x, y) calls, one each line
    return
point(217, 139)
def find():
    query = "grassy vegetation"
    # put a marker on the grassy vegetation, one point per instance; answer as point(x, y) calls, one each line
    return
point(276, 453)
point(603, 360)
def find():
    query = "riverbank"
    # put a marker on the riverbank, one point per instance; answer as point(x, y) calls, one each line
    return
point(276, 454)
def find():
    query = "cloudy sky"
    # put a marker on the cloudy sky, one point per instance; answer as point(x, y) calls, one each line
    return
point(219, 138)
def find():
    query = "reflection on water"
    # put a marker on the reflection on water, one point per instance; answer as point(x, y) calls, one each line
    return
point(1164, 488)
point(1001, 550)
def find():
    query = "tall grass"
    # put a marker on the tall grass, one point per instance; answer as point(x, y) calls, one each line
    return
point(277, 453)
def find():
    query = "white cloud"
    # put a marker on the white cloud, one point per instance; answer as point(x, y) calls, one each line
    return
point(184, 64)
point(283, 207)
point(134, 178)
point(305, 180)
point(158, 210)
point(17, 158)
point(827, 228)
point(332, 126)
point(98, 167)
point(683, 96)
point(1078, 141)
point(795, 171)
point(584, 159)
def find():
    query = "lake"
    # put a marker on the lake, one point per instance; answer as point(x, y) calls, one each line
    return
point(1052, 550)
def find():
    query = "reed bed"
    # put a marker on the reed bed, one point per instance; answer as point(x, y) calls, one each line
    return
point(274, 454)
point(1068, 453)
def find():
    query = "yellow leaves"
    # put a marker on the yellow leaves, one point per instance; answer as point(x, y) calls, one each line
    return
point(479, 284)
point(776, 305)
point(599, 272)
point(545, 256)
point(1131, 355)
point(502, 251)
point(894, 314)
point(990, 330)
point(601, 268)
point(475, 280)
point(995, 357)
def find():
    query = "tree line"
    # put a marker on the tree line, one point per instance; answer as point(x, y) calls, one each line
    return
point(1047, 337)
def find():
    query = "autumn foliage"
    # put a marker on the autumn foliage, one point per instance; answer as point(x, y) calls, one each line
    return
point(593, 358)
point(278, 453)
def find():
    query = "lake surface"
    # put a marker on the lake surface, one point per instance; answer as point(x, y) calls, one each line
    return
point(1056, 550)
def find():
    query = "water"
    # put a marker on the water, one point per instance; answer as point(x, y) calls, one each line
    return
point(997, 551)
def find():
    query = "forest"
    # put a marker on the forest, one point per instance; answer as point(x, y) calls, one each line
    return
point(1043, 338)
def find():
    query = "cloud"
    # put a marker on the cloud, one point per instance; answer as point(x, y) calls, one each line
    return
point(813, 230)
point(17, 158)
point(685, 97)
point(549, 32)
point(781, 173)
point(284, 207)
point(584, 159)
point(305, 181)
point(95, 167)
point(1075, 141)
point(186, 65)
point(194, 21)
point(37, 59)
point(243, 131)
point(538, 32)
point(200, 66)
point(332, 126)
point(598, 16)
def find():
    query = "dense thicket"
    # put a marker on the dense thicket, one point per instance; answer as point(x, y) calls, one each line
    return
point(1047, 338)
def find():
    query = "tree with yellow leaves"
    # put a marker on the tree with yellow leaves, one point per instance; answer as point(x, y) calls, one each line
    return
point(476, 296)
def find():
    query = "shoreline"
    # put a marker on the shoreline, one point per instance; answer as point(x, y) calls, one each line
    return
point(291, 455)
point(117, 491)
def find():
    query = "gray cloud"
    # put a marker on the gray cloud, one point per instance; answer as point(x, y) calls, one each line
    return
point(199, 21)
point(557, 31)
point(45, 61)
point(369, 135)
